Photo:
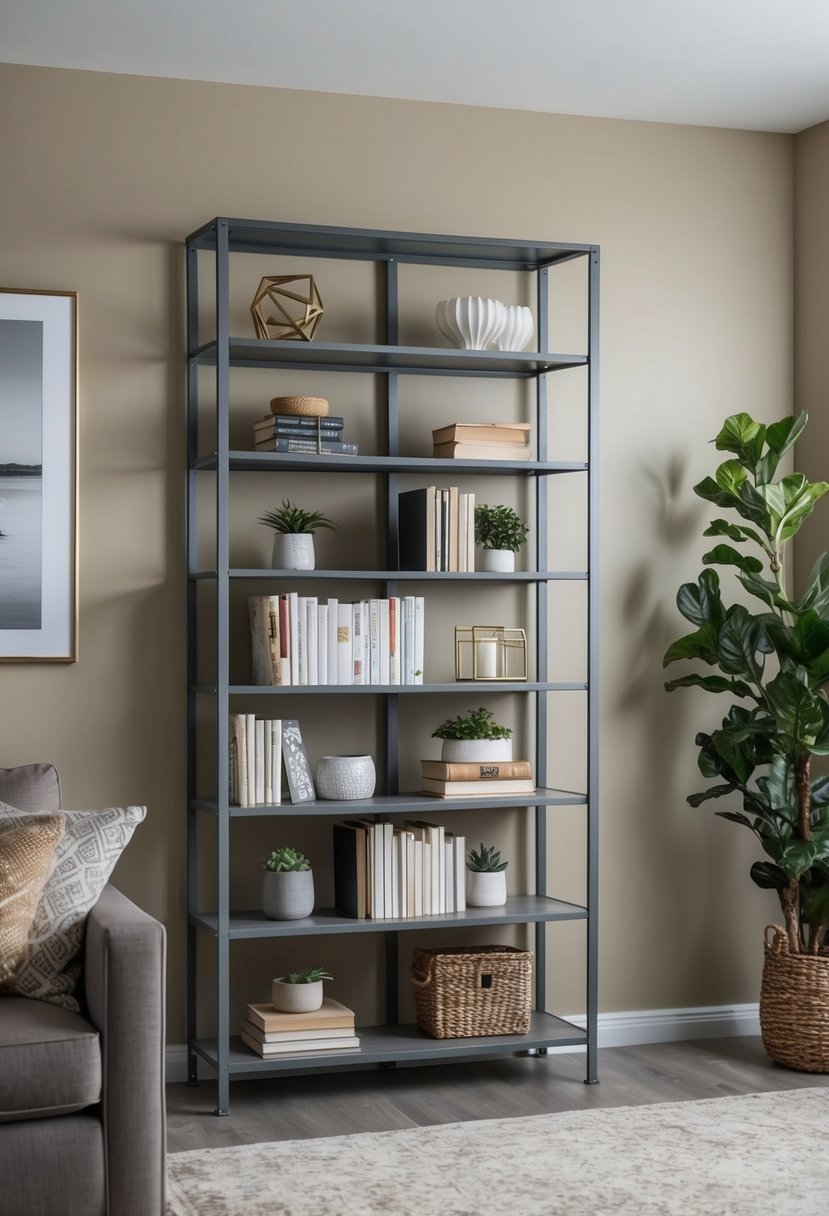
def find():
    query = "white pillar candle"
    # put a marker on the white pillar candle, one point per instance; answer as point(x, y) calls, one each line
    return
point(486, 659)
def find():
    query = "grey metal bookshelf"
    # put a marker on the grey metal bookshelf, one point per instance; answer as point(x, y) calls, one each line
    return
point(390, 1043)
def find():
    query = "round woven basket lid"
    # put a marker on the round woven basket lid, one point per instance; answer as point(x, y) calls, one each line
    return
point(313, 406)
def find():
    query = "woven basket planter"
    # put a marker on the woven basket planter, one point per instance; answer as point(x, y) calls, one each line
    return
point(302, 407)
point(462, 992)
point(794, 1005)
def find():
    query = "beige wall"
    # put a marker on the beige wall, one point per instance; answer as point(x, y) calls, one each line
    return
point(104, 176)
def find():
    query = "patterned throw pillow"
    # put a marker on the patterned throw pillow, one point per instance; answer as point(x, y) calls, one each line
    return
point(84, 859)
point(27, 852)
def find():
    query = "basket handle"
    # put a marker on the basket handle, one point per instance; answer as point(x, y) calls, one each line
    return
point(779, 942)
point(417, 981)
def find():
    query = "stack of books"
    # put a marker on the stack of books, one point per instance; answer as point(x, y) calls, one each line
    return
point(300, 639)
point(505, 777)
point(302, 433)
point(437, 529)
point(483, 441)
point(384, 871)
point(328, 1030)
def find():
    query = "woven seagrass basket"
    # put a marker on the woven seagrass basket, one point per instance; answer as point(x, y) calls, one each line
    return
point(315, 407)
point(462, 992)
point(794, 1005)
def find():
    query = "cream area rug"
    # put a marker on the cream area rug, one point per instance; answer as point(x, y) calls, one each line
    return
point(757, 1155)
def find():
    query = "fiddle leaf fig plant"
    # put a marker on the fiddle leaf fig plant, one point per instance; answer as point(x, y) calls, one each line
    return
point(772, 662)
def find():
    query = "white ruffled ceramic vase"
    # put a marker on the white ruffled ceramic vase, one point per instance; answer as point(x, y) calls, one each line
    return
point(470, 322)
point(518, 327)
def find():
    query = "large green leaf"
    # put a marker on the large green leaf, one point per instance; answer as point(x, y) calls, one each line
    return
point(736, 754)
point(739, 642)
point(820, 792)
point(714, 791)
point(816, 595)
point(780, 436)
point(797, 710)
point(699, 645)
point(711, 684)
point(766, 590)
point(814, 901)
point(747, 503)
point(721, 527)
point(789, 502)
point(724, 555)
point(797, 857)
point(768, 876)
point(806, 643)
point(700, 602)
point(740, 434)
point(730, 476)
point(735, 817)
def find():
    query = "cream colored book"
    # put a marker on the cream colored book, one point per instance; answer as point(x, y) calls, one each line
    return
point(331, 1013)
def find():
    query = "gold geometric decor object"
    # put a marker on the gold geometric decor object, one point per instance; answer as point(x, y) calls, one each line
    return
point(280, 313)
point(490, 652)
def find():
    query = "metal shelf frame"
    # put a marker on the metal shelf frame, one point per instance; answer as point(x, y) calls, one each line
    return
point(389, 360)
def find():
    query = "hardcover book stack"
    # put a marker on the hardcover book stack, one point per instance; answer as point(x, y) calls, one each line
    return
point(302, 433)
point(442, 779)
point(483, 441)
point(383, 871)
point(300, 639)
point(273, 1035)
point(437, 529)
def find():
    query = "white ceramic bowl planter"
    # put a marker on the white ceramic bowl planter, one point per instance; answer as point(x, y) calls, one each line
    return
point(475, 751)
point(295, 998)
point(293, 551)
point(287, 894)
point(346, 778)
point(501, 561)
point(486, 890)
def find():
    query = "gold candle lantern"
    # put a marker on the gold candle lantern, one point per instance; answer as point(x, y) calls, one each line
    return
point(490, 652)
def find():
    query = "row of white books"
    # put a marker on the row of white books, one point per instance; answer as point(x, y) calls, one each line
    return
point(255, 762)
point(300, 639)
point(382, 871)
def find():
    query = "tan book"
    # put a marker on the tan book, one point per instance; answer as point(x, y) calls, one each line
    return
point(477, 789)
point(296, 1036)
point(330, 1014)
point(295, 1051)
point(482, 451)
point(483, 432)
point(499, 771)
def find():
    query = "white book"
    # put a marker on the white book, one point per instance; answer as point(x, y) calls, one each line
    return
point(333, 620)
point(366, 642)
point(448, 874)
point(439, 556)
point(383, 643)
point(268, 758)
point(297, 1050)
point(357, 643)
point(418, 875)
point(284, 609)
point(377, 865)
point(408, 650)
point(409, 843)
point(395, 623)
point(439, 870)
point(374, 641)
point(237, 761)
point(463, 524)
point(470, 535)
point(388, 868)
point(395, 876)
point(345, 674)
point(250, 742)
point(322, 644)
point(459, 853)
point(312, 638)
point(419, 637)
point(259, 760)
point(276, 761)
point(427, 878)
point(402, 875)
point(293, 613)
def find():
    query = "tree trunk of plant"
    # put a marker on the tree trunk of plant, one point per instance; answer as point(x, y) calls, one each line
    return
point(790, 903)
point(803, 792)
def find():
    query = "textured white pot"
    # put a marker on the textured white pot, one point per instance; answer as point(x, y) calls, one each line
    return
point(296, 998)
point(475, 751)
point(500, 560)
point(470, 322)
point(288, 895)
point(345, 778)
point(518, 327)
point(486, 890)
point(293, 551)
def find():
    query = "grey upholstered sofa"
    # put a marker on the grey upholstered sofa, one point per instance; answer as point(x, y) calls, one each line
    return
point(82, 1129)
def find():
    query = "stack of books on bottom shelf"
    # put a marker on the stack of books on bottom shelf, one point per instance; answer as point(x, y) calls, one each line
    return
point(328, 1030)
point(504, 778)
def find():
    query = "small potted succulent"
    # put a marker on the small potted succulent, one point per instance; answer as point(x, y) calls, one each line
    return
point(287, 885)
point(486, 884)
point(299, 991)
point(474, 738)
point(294, 528)
point(499, 534)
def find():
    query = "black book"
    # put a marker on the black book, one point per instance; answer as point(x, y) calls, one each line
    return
point(350, 870)
point(306, 421)
point(292, 443)
point(327, 434)
point(416, 528)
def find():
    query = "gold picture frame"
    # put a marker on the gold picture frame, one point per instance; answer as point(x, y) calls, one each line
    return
point(38, 476)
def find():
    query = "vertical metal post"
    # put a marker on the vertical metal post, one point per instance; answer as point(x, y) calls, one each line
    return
point(191, 275)
point(541, 649)
point(222, 669)
point(593, 670)
point(392, 700)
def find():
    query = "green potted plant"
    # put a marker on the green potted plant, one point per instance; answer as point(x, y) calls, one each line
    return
point(287, 885)
point(499, 534)
point(299, 991)
point(486, 879)
point(294, 528)
point(474, 737)
point(773, 663)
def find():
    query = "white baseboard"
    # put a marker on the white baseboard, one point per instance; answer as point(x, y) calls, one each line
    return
point(615, 1030)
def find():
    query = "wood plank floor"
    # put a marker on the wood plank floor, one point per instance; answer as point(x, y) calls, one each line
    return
point(293, 1108)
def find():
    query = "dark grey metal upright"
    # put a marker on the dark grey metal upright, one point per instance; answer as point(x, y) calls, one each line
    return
point(391, 1043)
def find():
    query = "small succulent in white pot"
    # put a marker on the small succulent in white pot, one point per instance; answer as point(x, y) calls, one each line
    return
point(474, 738)
point(486, 879)
point(499, 534)
point(287, 885)
point(294, 528)
point(299, 991)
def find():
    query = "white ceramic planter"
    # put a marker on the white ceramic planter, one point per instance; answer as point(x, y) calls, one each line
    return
point(288, 895)
point(487, 890)
point(475, 751)
point(296, 998)
point(501, 561)
point(518, 327)
point(293, 551)
point(470, 322)
point(345, 778)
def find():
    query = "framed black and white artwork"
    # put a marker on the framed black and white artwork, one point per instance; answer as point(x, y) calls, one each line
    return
point(38, 476)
